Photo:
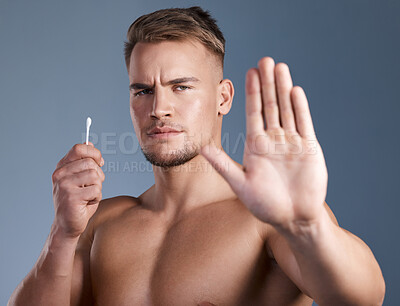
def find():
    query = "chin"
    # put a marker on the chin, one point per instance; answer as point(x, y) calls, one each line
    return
point(173, 158)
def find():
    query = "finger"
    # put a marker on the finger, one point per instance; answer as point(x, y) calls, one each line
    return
point(224, 166)
point(302, 113)
point(80, 151)
point(254, 116)
point(84, 178)
point(270, 106)
point(77, 166)
point(284, 86)
point(92, 194)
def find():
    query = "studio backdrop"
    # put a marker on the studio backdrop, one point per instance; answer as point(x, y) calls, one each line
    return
point(61, 61)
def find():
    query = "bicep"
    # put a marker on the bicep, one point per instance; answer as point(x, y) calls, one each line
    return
point(281, 251)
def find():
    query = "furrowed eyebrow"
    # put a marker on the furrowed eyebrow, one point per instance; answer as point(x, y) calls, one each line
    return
point(139, 86)
point(182, 80)
point(171, 82)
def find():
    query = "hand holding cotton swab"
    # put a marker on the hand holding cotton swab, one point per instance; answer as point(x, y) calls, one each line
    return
point(88, 124)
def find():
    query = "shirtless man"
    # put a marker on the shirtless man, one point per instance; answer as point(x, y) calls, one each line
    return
point(209, 231)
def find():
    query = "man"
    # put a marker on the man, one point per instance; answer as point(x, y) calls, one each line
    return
point(209, 231)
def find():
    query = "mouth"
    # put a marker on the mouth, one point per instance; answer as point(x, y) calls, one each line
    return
point(163, 132)
point(164, 135)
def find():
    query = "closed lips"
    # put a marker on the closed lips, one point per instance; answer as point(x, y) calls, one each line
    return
point(164, 129)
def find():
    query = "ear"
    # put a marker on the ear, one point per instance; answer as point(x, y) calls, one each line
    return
point(225, 96)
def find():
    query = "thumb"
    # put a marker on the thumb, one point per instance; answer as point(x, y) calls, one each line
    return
point(225, 166)
point(89, 143)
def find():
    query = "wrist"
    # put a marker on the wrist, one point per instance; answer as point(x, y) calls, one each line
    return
point(56, 259)
point(307, 232)
point(58, 236)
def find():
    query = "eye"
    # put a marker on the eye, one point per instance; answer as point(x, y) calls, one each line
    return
point(142, 92)
point(183, 87)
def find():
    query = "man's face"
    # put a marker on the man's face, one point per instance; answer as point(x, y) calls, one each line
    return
point(173, 85)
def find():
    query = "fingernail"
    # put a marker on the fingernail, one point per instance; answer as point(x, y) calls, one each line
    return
point(102, 162)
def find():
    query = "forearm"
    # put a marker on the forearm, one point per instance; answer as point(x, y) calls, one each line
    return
point(49, 282)
point(337, 268)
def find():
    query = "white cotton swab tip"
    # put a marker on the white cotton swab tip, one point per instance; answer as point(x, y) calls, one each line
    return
point(88, 124)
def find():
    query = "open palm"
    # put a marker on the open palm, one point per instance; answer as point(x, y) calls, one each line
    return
point(284, 176)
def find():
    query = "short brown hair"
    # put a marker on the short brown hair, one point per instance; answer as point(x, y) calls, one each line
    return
point(176, 24)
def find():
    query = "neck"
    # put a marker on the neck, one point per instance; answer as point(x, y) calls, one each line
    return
point(177, 190)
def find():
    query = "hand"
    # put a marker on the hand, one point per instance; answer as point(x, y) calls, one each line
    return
point(284, 177)
point(77, 183)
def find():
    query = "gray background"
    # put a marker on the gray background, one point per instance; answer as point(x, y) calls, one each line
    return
point(62, 61)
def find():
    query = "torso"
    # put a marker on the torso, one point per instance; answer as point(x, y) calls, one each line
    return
point(214, 255)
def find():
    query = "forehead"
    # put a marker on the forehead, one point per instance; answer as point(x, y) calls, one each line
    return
point(170, 59)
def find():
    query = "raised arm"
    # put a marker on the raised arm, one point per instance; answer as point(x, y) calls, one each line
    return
point(61, 274)
point(284, 183)
point(329, 263)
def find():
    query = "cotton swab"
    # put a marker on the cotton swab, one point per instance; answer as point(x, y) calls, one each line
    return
point(88, 124)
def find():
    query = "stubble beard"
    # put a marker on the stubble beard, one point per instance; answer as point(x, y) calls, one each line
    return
point(174, 158)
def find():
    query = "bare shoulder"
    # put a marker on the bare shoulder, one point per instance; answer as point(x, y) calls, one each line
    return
point(111, 208)
point(81, 283)
point(117, 202)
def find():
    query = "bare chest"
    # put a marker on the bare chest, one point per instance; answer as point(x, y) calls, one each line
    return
point(213, 258)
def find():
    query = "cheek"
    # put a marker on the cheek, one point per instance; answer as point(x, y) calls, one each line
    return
point(202, 116)
point(198, 116)
point(137, 111)
point(136, 120)
point(203, 106)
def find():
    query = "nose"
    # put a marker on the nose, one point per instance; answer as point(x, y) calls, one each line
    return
point(162, 104)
